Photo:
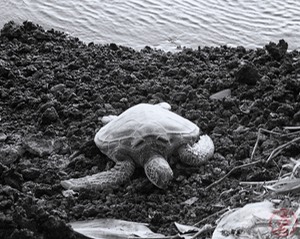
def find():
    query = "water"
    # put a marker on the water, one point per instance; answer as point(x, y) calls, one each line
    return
point(164, 24)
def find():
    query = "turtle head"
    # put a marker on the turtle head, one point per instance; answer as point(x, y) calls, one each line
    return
point(158, 171)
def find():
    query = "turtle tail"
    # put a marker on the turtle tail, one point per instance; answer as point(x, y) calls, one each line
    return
point(116, 176)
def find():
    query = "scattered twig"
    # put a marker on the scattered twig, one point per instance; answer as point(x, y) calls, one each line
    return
point(292, 127)
point(231, 171)
point(276, 151)
point(259, 183)
point(285, 186)
point(260, 130)
point(258, 138)
point(205, 228)
point(212, 215)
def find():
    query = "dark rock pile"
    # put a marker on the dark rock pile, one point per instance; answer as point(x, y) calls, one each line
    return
point(54, 89)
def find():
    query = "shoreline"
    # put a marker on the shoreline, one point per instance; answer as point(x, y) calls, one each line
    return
point(54, 89)
point(177, 47)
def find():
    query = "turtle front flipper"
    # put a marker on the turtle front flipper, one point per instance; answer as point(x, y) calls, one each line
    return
point(119, 174)
point(198, 153)
point(158, 171)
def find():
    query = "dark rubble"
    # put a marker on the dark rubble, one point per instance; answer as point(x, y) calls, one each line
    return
point(54, 89)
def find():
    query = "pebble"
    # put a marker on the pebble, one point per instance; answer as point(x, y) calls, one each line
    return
point(13, 178)
point(296, 116)
point(49, 116)
point(3, 137)
point(221, 94)
point(58, 87)
point(248, 74)
point(277, 51)
point(4, 70)
point(43, 189)
point(31, 173)
point(38, 145)
point(10, 153)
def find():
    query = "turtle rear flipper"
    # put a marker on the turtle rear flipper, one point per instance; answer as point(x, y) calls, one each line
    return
point(118, 175)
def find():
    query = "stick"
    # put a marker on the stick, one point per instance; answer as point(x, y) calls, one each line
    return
point(259, 183)
point(212, 215)
point(258, 138)
point(205, 228)
point(276, 151)
point(292, 127)
point(231, 171)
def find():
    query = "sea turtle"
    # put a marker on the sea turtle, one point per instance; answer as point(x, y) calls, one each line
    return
point(145, 135)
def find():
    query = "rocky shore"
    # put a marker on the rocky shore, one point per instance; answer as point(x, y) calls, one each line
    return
point(54, 89)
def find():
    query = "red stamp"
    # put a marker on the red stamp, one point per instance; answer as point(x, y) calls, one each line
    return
point(283, 222)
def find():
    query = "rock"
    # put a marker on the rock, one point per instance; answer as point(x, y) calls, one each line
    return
point(113, 46)
point(247, 74)
point(297, 116)
point(31, 173)
point(90, 212)
point(29, 70)
point(8, 196)
point(277, 51)
point(4, 68)
point(286, 109)
point(38, 146)
point(74, 65)
point(233, 64)
point(11, 30)
point(180, 97)
point(49, 116)
point(3, 137)
point(47, 47)
point(10, 153)
point(58, 87)
point(86, 78)
point(54, 227)
point(221, 94)
point(41, 35)
point(13, 178)
point(43, 189)
point(22, 233)
point(3, 168)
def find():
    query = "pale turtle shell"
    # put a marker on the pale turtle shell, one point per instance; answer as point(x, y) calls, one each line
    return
point(142, 123)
